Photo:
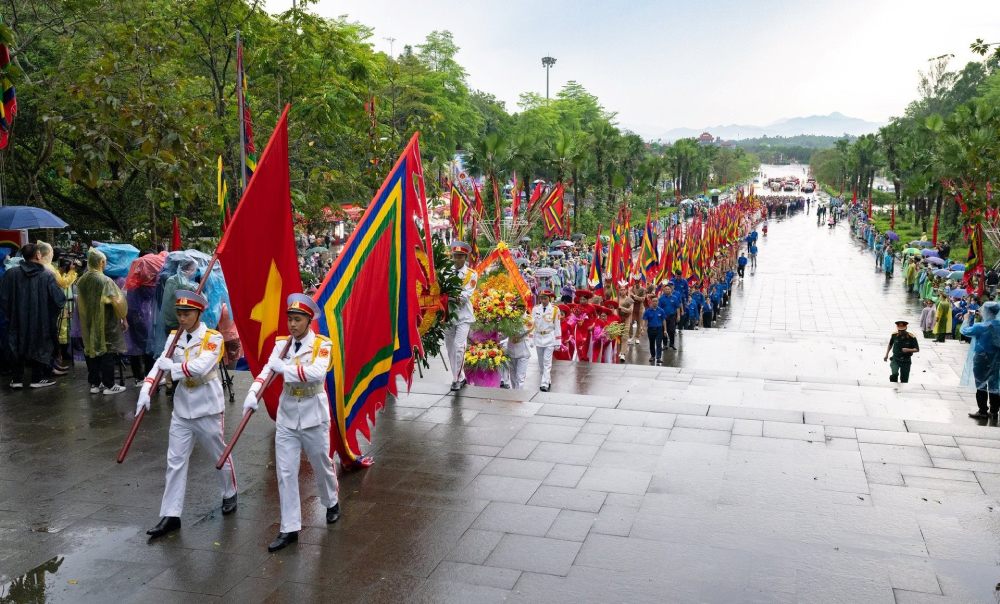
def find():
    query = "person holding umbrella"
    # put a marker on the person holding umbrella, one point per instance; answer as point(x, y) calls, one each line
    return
point(902, 345)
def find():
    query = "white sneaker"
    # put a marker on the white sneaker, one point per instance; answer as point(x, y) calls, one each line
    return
point(114, 389)
point(95, 389)
point(17, 385)
point(43, 383)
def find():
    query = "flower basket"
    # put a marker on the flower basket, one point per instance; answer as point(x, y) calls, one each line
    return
point(488, 378)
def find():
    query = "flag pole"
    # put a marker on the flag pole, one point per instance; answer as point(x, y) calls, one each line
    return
point(246, 416)
point(241, 102)
point(159, 373)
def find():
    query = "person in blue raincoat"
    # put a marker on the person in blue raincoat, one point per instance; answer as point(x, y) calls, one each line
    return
point(982, 365)
point(888, 261)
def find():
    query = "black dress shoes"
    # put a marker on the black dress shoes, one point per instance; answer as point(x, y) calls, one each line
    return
point(283, 540)
point(333, 514)
point(228, 505)
point(979, 415)
point(167, 524)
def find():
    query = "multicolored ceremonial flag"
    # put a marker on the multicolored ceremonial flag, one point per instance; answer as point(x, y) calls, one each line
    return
point(515, 198)
point(595, 279)
point(370, 307)
point(8, 106)
point(552, 211)
point(258, 256)
point(649, 256)
point(536, 194)
point(222, 191)
point(247, 147)
point(460, 210)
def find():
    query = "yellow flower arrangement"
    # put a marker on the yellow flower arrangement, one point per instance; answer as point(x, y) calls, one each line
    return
point(485, 355)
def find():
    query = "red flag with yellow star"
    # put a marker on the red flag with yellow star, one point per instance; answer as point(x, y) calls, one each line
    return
point(259, 259)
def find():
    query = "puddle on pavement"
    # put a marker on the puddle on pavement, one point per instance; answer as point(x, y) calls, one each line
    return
point(31, 586)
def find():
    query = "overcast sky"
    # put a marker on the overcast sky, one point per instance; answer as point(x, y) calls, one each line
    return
point(665, 64)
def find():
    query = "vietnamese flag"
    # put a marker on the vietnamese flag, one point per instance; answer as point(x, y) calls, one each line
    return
point(259, 258)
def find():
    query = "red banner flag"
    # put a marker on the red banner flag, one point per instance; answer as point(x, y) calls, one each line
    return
point(259, 258)
point(175, 239)
point(552, 211)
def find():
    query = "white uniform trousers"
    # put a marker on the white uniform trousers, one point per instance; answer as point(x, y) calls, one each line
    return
point(545, 364)
point(456, 339)
point(183, 432)
point(289, 443)
point(518, 370)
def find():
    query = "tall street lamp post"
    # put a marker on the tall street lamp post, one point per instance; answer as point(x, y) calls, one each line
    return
point(547, 63)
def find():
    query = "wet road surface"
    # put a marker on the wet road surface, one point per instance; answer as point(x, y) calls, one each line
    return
point(772, 463)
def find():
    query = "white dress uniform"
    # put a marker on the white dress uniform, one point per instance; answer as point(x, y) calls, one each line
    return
point(198, 413)
point(456, 337)
point(303, 423)
point(519, 353)
point(547, 333)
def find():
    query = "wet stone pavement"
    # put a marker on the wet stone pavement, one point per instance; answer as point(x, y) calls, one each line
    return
point(770, 461)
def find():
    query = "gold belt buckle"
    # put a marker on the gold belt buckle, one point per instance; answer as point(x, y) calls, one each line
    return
point(298, 392)
point(190, 382)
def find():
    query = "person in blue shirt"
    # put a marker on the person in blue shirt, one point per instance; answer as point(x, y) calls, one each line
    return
point(655, 319)
point(741, 264)
point(697, 304)
point(671, 304)
point(749, 239)
point(680, 286)
point(728, 293)
point(753, 256)
point(707, 312)
point(692, 316)
point(715, 297)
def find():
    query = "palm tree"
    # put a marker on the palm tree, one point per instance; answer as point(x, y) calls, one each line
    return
point(490, 157)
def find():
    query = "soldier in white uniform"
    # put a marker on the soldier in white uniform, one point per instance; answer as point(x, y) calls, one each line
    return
point(519, 353)
point(547, 332)
point(198, 408)
point(456, 337)
point(303, 422)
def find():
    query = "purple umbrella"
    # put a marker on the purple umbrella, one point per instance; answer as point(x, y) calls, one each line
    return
point(942, 272)
point(892, 236)
point(958, 267)
point(958, 293)
point(926, 253)
point(935, 260)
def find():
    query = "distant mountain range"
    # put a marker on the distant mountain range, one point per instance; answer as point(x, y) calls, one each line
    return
point(835, 124)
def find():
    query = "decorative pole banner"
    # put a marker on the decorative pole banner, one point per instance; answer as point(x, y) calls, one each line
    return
point(370, 304)
point(502, 253)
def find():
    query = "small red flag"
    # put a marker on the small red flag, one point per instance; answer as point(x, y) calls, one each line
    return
point(175, 240)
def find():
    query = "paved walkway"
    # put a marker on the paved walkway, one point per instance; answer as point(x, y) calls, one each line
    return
point(772, 463)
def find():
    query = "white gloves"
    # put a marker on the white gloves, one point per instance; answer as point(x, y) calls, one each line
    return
point(143, 402)
point(250, 402)
point(164, 364)
point(276, 365)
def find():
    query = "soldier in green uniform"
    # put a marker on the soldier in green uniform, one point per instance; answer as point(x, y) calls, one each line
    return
point(902, 345)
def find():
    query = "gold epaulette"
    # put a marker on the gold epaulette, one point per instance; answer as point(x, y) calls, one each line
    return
point(323, 338)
